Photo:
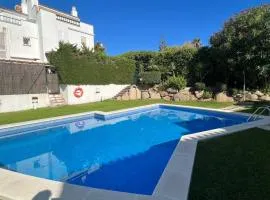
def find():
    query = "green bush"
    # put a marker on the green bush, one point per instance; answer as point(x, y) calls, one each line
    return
point(207, 94)
point(221, 87)
point(233, 91)
point(176, 82)
point(76, 66)
point(150, 78)
point(199, 86)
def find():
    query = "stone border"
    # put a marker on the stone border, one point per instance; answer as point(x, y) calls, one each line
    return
point(173, 184)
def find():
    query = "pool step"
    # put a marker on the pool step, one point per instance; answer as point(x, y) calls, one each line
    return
point(56, 100)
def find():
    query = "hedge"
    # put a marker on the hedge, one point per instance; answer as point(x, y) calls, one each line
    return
point(77, 68)
point(150, 78)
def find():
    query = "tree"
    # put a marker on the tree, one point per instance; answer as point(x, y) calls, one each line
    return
point(99, 48)
point(162, 45)
point(196, 43)
point(245, 41)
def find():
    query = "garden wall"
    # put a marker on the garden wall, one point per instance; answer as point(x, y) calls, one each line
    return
point(78, 94)
point(11, 103)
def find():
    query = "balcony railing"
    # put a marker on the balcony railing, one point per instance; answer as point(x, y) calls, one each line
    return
point(10, 20)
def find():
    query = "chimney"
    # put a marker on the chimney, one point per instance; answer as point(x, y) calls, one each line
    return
point(24, 7)
point(74, 12)
point(18, 8)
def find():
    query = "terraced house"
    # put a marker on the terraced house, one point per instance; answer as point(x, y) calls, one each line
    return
point(31, 30)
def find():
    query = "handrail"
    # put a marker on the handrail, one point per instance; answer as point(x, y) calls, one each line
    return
point(255, 115)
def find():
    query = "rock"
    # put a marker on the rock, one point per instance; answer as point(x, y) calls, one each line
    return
point(133, 93)
point(119, 98)
point(172, 91)
point(238, 97)
point(206, 100)
point(199, 94)
point(145, 95)
point(182, 96)
point(125, 96)
point(167, 98)
point(139, 93)
point(154, 95)
point(155, 88)
point(187, 89)
point(163, 93)
point(251, 97)
point(222, 97)
point(265, 98)
point(259, 93)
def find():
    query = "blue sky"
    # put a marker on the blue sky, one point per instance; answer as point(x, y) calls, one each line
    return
point(124, 25)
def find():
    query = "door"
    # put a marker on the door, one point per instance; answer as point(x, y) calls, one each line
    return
point(53, 82)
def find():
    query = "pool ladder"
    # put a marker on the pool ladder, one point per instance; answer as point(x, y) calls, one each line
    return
point(256, 114)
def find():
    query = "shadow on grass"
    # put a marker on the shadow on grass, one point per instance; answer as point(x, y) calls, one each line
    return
point(252, 106)
point(232, 167)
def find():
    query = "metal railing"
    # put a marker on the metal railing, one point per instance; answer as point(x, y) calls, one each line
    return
point(257, 114)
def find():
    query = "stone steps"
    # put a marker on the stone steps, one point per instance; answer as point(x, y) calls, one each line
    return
point(129, 93)
point(122, 92)
point(56, 100)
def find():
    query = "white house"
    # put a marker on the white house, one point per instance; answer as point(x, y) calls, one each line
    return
point(31, 30)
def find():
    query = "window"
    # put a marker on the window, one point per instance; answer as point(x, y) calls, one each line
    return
point(83, 40)
point(26, 41)
point(3, 43)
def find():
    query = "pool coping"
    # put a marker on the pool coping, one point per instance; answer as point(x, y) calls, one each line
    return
point(173, 184)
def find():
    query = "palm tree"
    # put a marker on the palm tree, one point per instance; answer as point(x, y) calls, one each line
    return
point(197, 43)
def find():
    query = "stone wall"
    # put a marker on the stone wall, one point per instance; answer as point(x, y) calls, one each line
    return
point(187, 94)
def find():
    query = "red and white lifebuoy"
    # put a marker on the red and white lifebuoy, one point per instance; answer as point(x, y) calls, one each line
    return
point(78, 92)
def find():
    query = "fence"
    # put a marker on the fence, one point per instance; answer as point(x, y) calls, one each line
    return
point(22, 78)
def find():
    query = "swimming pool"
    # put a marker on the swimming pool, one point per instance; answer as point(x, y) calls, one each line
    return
point(125, 151)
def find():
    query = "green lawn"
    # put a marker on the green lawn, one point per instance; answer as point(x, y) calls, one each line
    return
point(233, 167)
point(256, 105)
point(13, 117)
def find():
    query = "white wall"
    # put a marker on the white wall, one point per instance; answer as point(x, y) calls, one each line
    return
point(91, 93)
point(43, 28)
point(14, 37)
point(50, 29)
point(11, 103)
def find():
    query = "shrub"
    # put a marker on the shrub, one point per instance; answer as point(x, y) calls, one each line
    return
point(233, 91)
point(207, 94)
point(266, 89)
point(150, 78)
point(76, 66)
point(221, 87)
point(199, 86)
point(176, 82)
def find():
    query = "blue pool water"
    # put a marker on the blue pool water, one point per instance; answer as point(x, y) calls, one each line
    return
point(125, 152)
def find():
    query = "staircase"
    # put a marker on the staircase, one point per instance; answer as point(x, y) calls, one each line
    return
point(56, 100)
point(122, 92)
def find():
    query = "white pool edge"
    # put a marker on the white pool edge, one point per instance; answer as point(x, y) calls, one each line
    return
point(173, 184)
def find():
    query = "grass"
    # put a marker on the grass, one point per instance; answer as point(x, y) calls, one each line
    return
point(233, 167)
point(14, 117)
point(256, 105)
